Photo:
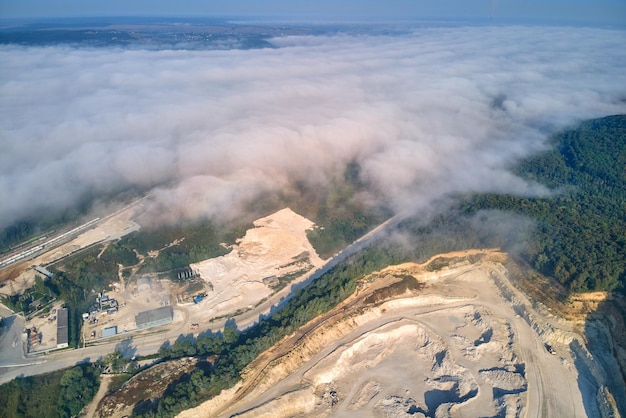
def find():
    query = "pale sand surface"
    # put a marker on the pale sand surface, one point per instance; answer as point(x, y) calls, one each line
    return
point(277, 246)
point(468, 344)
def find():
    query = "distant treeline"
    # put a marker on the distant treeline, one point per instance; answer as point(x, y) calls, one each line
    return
point(577, 235)
point(29, 230)
point(342, 218)
point(46, 218)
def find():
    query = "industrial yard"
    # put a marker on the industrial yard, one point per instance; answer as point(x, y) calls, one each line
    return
point(111, 314)
point(140, 307)
point(272, 255)
point(47, 331)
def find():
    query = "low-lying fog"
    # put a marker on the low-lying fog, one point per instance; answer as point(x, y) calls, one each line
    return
point(426, 114)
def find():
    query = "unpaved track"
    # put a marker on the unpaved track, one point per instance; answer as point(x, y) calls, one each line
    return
point(105, 380)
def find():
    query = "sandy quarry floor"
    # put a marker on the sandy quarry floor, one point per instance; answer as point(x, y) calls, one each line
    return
point(465, 344)
point(277, 247)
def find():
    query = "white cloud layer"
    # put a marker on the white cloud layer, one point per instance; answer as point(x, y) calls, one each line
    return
point(439, 111)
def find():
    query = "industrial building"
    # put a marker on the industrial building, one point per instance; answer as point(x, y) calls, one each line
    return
point(63, 335)
point(109, 332)
point(44, 271)
point(154, 317)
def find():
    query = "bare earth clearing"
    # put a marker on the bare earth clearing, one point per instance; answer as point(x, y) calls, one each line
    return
point(276, 248)
point(458, 341)
point(241, 284)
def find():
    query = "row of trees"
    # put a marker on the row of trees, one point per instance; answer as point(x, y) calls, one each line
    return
point(200, 241)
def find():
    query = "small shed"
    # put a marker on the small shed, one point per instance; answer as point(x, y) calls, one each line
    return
point(109, 332)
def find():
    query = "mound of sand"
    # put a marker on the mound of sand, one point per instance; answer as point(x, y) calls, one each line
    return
point(276, 248)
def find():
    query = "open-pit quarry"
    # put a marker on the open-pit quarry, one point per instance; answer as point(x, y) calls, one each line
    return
point(450, 337)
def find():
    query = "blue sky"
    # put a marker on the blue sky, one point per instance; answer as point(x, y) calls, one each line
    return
point(581, 11)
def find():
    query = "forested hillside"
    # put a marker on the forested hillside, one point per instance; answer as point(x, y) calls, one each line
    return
point(581, 235)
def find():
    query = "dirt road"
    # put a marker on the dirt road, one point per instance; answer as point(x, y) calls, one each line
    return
point(90, 410)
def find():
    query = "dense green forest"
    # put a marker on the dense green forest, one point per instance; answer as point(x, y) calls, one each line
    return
point(63, 393)
point(580, 237)
point(576, 235)
point(341, 217)
point(195, 242)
